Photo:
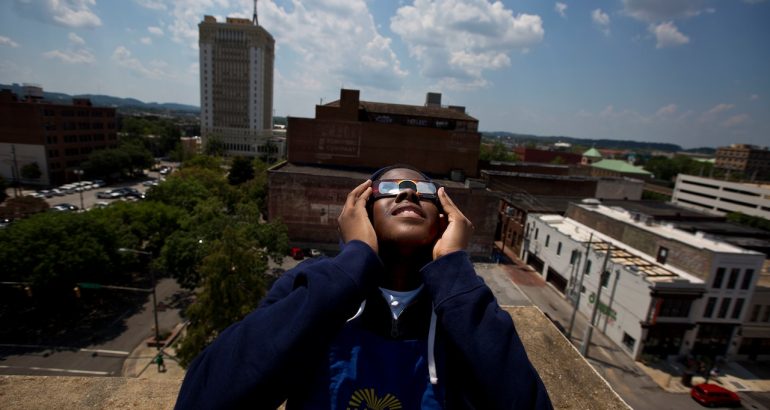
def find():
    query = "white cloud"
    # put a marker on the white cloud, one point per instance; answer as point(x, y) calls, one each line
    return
point(607, 111)
point(754, 97)
point(455, 41)
point(151, 4)
point(156, 31)
point(76, 40)
point(187, 14)
point(81, 56)
point(601, 20)
point(735, 120)
point(145, 40)
point(5, 41)
point(661, 10)
point(712, 113)
point(560, 8)
point(69, 13)
point(666, 110)
point(335, 42)
point(668, 35)
point(123, 57)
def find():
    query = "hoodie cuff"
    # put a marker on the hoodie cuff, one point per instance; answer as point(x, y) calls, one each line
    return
point(450, 275)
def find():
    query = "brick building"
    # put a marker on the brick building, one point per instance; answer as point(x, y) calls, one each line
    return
point(308, 199)
point(752, 161)
point(526, 154)
point(354, 133)
point(57, 137)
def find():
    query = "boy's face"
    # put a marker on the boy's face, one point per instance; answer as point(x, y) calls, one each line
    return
point(405, 219)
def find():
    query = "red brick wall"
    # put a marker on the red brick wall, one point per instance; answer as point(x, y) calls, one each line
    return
point(374, 145)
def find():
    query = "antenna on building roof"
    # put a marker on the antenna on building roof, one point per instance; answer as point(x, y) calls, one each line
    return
point(254, 17)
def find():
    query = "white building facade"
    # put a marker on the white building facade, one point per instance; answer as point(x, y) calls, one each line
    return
point(645, 305)
point(236, 82)
point(722, 197)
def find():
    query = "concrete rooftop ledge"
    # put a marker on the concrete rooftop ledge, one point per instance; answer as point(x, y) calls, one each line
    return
point(571, 382)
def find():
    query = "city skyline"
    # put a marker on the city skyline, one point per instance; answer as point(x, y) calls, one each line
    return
point(688, 72)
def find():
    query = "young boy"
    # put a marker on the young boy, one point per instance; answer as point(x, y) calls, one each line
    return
point(398, 320)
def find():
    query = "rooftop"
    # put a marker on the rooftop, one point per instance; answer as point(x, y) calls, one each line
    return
point(336, 171)
point(410, 110)
point(698, 239)
point(620, 254)
point(571, 382)
point(618, 165)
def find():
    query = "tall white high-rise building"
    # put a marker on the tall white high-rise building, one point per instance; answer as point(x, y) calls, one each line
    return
point(236, 81)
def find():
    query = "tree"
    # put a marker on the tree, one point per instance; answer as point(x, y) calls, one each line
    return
point(3, 187)
point(31, 171)
point(497, 152)
point(748, 220)
point(234, 281)
point(214, 146)
point(241, 170)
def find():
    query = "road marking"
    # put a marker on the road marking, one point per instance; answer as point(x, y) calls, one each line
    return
point(51, 369)
point(102, 351)
point(65, 348)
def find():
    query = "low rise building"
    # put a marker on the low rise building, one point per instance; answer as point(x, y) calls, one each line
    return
point(750, 160)
point(56, 137)
point(663, 291)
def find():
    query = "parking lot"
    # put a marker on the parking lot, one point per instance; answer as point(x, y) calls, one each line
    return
point(93, 195)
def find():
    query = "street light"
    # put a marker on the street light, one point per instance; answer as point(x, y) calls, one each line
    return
point(154, 300)
point(79, 173)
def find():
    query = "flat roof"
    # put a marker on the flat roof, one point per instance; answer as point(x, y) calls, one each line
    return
point(410, 110)
point(620, 253)
point(669, 231)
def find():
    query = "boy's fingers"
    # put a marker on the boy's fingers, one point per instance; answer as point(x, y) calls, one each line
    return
point(356, 192)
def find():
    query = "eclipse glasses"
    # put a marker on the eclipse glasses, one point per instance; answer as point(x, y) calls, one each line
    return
point(392, 187)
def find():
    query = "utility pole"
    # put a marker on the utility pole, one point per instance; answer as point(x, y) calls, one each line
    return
point(579, 287)
point(589, 329)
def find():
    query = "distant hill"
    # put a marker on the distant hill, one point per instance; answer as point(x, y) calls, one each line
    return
point(108, 101)
point(602, 143)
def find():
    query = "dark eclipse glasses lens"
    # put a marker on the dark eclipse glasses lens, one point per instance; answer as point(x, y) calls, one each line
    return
point(392, 187)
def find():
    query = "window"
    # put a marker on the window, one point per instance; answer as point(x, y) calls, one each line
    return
point(537, 231)
point(724, 307)
point(747, 278)
point(574, 257)
point(628, 341)
point(605, 278)
point(558, 249)
point(547, 240)
point(755, 313)
point(734, 273)
point(766, 317)
point(662, 254)
point(710, 307)
point(588, 267)
point(718, 278)
point(675, 308)
point(737, 308)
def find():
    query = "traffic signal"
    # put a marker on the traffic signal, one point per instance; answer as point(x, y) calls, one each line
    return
point(77, 291)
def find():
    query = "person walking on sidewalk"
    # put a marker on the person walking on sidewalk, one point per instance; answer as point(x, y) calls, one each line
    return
point(161, 364)
point(399, 319)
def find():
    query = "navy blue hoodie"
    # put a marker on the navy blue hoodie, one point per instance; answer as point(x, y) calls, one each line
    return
point(284, 350)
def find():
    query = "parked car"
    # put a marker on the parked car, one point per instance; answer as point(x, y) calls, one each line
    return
point(64, 207)
point(129, 192)
point(164, 170)
point(297, 253)
point(100, 204)
point(712, 395)
point(110, 194)
point(99, 183)
point(315, 253)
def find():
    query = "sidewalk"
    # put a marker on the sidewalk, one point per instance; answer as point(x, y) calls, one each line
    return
point(141, 364)
point(733, 376)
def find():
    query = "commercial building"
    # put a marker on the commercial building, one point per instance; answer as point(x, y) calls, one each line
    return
point(56, 137)
point(660, 291)
point(722, 197)
point(236, 83)
point(349, 132)
point(750, 160)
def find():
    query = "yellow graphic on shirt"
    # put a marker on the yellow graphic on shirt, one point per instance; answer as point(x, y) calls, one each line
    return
point(367, 399)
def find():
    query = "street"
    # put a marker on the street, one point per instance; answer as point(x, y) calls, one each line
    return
point(104, 359)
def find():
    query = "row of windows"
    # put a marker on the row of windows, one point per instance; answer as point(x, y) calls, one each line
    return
point(50, 112)
point(724, 308)
point(69, 139)
point(732, 280)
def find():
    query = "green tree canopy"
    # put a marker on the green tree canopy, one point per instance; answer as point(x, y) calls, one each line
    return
point(31, 171)
point(496, 152)
point(241, 170)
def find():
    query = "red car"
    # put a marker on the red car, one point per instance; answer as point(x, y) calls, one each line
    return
point(711, 395)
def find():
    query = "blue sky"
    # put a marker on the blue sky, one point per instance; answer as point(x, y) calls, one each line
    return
point(689, 72)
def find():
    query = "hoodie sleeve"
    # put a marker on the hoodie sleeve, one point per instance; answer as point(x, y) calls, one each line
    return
point(259, 361)
point(481, 338)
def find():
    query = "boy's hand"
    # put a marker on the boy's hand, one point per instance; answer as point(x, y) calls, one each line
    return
point(354, 221)
point(458, 231)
